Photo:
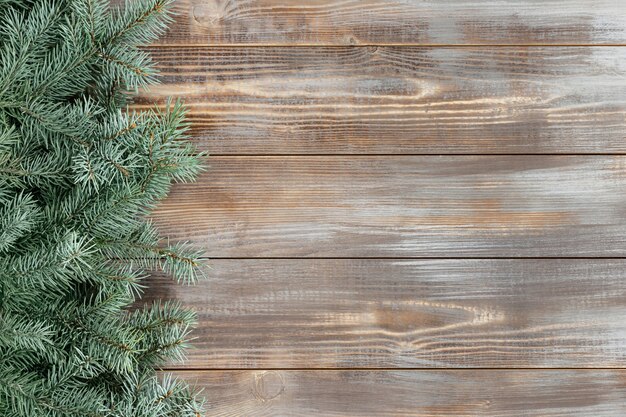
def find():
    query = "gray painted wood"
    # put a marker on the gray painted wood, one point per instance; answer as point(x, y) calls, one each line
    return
point(394, 100)
point(345, 313)
point(358, 22)
point(384, 99)
point(403, 206)
point(505, 393)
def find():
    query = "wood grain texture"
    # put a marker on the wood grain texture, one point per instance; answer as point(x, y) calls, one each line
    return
point(510, 393)
point(358, 22)
point(398, 100)
point(403, 206)
point(346, 313)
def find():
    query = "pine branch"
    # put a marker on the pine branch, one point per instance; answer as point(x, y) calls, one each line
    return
point(78, 177)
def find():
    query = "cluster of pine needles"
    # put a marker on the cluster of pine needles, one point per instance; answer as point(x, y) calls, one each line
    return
point(79, 174)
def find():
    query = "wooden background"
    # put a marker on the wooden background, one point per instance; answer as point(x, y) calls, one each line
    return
point(413, 207)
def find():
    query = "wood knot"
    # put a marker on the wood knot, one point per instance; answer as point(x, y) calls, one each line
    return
point(208, 14)
point(267, 385)
point(351, 40)
point(417, 315)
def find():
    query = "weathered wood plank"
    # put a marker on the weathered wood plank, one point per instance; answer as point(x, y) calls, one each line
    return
point(403, 206)
point(399, 100)
point(346, 313)
point(358, 22)
point(509, 393)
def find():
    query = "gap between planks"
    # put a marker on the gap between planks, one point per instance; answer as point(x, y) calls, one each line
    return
point(300, 155)
point(395, 45)
point(408, 258)
point(389, 369)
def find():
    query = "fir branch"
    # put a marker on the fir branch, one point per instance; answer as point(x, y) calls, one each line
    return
point(77, 179)
point(17, 217)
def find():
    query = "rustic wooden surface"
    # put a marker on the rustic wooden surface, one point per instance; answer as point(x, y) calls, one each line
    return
point(403, 206)
point(372, 313)
point(417, 208)
point(362, 22)
point(505, 393)
point(393, 100)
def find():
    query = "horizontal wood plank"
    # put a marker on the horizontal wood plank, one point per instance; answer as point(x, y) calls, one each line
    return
point(403, 206)
point(346, 313)
point(358, 22)
point(398, 100)
point(413, 393)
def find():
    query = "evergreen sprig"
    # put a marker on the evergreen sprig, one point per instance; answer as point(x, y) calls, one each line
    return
point(79, 175)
